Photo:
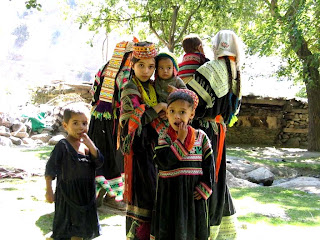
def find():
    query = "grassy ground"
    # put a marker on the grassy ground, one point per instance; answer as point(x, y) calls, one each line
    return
point(263, 213)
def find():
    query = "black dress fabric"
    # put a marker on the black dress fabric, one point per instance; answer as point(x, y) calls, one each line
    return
point(75, 206)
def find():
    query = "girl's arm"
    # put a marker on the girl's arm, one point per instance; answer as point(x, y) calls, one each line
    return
point(96, 156)
point(49, 191)
point(205, 186)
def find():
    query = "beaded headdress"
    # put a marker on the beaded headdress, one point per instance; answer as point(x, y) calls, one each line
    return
point(144, 52)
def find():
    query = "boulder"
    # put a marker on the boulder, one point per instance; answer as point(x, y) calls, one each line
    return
point(15, 140)
point(4, 131)
point(20, 134)
point(44, 137)
point(4, 141)
point(55, 139)
point(306, 184)
point(261, 176)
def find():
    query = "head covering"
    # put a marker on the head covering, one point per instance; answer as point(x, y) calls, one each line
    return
point(226, 43)
point(192, 94)
point(144, 52)
point(171, 56)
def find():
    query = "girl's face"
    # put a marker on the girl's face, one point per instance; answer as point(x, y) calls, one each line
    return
point(144, 68)
point(165, 68)
point(76, 126)
point(179, 111)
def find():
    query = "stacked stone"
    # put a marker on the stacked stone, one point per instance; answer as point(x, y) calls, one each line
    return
point(295, 127)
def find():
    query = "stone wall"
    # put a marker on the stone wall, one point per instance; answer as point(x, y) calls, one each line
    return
point(268, 121)
point(262, 121)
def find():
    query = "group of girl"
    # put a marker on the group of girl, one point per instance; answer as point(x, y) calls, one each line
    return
point(171, 136)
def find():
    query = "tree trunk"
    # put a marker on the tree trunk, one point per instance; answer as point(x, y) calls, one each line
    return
point(313, 92)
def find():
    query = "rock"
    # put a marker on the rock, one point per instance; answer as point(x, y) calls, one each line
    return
point(18, 126)
point(28, 141)
point(239, 167)
point(15, 140)
point(306, 184)
point(4, 131)
point(20, 134)
point(261, 175)
point(232, 181)
point(55, 139)
point(4, 141)
point(44, 137)
point(293, 142)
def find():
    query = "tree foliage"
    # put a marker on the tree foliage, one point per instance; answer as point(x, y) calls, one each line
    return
point(168, 20)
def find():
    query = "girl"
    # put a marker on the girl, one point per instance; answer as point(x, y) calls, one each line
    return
point(166, 76)
point(185, 163)
point(73, 162)
point(217, 83)
point(139, 108)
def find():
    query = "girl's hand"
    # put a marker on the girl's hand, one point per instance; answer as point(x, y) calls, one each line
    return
point(197, 195)
point(171, 89)
point(49, 196)
point(182, 132)
point(160, 107)
point(88, 142)
point(162, 115)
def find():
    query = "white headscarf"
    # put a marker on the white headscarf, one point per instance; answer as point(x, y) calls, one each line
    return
point(227, 43)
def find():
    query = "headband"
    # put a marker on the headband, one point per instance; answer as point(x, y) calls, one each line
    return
point(144, 52)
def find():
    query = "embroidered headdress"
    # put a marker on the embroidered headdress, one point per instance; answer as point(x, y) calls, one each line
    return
point(144, 52)
point(226, 43)
point(192, 94)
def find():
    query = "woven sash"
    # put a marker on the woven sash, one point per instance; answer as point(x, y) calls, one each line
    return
point(110, 73)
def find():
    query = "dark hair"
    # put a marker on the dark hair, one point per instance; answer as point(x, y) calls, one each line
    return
point(191, 43)
point(74, 108)
point(178, 95)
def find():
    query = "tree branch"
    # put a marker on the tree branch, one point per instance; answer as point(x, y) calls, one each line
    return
point(186, 23)
point(173, 24)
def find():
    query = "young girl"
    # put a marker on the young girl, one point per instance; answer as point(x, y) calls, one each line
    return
point(185, 163)
point(139, 108)
point(166, 79)
point(73, 162)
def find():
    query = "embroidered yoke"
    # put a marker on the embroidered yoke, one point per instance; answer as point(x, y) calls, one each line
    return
point(181, 172)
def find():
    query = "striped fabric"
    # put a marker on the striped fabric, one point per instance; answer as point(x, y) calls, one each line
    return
point(111, 71)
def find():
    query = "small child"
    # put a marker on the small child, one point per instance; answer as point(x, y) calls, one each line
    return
point(166, 76)
point(194, 57)
point(73, 162)
point(184, 159)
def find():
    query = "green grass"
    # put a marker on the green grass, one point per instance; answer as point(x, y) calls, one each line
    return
point(284, 207)
point(309, 165)
point(42, 152)
point(45, 221)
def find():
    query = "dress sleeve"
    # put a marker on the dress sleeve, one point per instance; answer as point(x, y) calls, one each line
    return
point(98, 161)
point(180, 84)
point(205, 185)
point(53, 166)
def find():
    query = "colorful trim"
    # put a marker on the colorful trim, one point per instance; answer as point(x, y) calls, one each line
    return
point(180, 172)
point(138, 213)
point(117, 185)
point(178, 149)
point(111, 71)
point(204, 190)
point(145, 52)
